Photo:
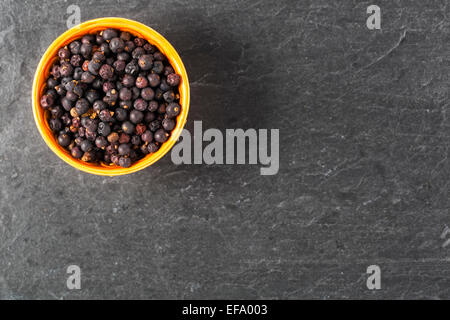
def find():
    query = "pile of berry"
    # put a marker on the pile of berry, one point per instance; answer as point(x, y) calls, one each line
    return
point(112, 97)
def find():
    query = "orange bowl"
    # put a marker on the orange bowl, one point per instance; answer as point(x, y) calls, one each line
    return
point(92, 26)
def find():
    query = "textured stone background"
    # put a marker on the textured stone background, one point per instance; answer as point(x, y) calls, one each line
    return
point(364, 128)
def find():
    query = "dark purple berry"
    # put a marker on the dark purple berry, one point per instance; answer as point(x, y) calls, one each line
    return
point(125, 94)
point(66, 69)
point(71, 96)
point(147, 136)
point(89, 124)
point(128, 127)
point(119, 65)
point(47, 101)
point(66, 120)
point(60, 90)
point(55, 71)
point(76, 60)
point(168, 70)
point(87, 77)
point(154, 80)
point(77, 72)
point(158, 67)
point(86, 145)
point(52, 92)
point(86, 50)
point(124, 162)
point(132, 68)
point(149, 48)
point(100, 142)
point(65, 80)
point(136, 140)
point(56, 112)
point(125, 36)
point(105, 115)
point(124, 149)
point(64, 53)
point(164, 86)
point(120, 114)
point(173, 109)
point(154, 125)
point(139, 42)
point(159, 56)
point(173, 79)
point(129, 46)
point(98, 56)
point(145, 62)
point(152, 147)
point(99, 105)
point(104, 129)
point(137, 53)
point(55, 125)
point(136, 116)
point(153, 106)
point(128, 80)
point(169, 96)
point(111, 97)
point(136, 93)
point(76, 152)
point(88, 38)
point(94, 67)
point(123, 56)
point(91, 135)
point(106, 72)
point(107, 158)
point(161, 136)
point(66, 103)
point(147, 94)
point(76, 122)
point(168, 124)
point(108, 86)
point(70, 85)
point(104, 47)
point(108, 34)
point(75, 47)
point(92, 95)
point(116, 45)
point(140, 104)
point(99, 39)
point(82, 106)
point(78, 90)
point(141, 82)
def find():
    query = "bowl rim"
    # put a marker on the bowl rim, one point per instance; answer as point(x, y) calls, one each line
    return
point(91, 26)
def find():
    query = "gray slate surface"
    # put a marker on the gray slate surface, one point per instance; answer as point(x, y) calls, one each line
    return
point(364, 128)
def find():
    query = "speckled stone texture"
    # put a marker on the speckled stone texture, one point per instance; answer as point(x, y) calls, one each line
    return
point(363, 179)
